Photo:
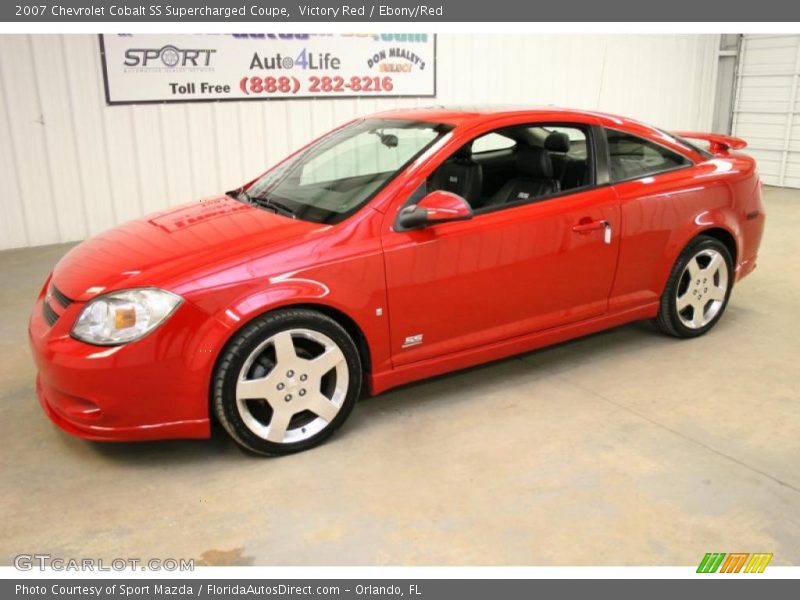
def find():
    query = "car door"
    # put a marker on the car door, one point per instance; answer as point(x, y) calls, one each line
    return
point(503, 273)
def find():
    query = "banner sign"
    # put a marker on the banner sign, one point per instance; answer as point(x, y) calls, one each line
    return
point(369, 588)
point(395, 11)
point(213, 67)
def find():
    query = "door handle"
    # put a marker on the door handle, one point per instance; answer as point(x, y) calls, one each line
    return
point(590, 226)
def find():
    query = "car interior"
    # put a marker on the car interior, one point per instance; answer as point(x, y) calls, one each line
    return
point(517, 164)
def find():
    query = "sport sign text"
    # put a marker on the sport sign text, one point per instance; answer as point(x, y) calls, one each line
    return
point(185, 68)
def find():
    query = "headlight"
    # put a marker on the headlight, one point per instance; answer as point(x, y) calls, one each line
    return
point(125, 316)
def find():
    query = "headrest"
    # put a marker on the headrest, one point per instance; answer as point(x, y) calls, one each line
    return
point(558, 141)
point(534, 162)
point(628, 149)
point(464, 153)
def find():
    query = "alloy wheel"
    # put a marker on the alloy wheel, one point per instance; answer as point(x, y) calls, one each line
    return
point(292, 386)
point(702, 289)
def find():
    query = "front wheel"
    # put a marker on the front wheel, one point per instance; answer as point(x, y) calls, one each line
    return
point(286, 381)
point(698, 289)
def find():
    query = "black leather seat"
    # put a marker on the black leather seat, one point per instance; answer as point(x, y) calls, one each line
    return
point(538, 178)
point(571, 172)
point(460, 175)
point(574, 175)
point(558, 144)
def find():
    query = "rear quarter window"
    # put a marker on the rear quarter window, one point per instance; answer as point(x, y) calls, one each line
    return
point(632, 157)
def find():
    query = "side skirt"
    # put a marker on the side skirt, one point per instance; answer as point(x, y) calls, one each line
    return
point(380, 382)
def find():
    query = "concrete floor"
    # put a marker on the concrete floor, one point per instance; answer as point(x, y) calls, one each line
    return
point(625, 448)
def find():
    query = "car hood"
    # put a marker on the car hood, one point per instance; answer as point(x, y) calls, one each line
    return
point(161, 248)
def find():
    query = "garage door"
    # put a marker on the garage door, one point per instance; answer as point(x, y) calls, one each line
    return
point(767, 105)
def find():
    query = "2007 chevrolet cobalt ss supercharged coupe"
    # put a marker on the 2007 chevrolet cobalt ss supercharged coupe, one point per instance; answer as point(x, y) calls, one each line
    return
point(394, 248)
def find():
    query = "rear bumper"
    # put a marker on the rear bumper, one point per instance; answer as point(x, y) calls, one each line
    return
point(155, 388)
point(751, 233)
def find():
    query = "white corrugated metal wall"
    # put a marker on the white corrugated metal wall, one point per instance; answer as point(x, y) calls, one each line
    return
point(767, 106)
point(72, 166)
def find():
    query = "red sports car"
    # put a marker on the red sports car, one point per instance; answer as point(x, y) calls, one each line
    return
point(397, 247)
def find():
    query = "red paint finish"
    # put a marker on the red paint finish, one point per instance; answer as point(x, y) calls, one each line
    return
point(445, 206)
point(487, 286)
point(499, 275)
point(719, 144)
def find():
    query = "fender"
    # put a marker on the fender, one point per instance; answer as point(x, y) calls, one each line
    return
point(286, 291)
point(719, 219)
point(739, 189)
point(651, 245)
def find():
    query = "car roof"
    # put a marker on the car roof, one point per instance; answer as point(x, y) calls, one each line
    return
point(475, 115)
point(460, 115)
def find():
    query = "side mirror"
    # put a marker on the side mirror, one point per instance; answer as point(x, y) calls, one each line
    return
point(437, 207)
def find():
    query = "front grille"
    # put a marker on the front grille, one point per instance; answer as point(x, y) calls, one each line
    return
point(49, 314)
point(58, 295)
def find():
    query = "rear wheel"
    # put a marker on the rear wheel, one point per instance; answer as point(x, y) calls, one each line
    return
point(286, 381)
point(698, 289)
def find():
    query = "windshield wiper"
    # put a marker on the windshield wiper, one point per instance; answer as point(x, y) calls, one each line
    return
point(240, 195)
point(263, 202)
point(278, 207)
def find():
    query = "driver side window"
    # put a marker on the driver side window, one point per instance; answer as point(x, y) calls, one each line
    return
point(519, 164)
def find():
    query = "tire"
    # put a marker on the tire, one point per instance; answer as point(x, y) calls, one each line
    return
point(286, 382)
point(698, 289)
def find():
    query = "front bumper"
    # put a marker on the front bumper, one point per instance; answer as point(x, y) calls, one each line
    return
point(154, 388)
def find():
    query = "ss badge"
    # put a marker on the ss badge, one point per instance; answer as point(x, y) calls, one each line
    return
point(413, 340)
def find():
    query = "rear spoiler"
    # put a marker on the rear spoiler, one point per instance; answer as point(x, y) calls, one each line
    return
point(718, 143)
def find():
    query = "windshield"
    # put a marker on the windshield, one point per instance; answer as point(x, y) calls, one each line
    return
point(340, 173)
